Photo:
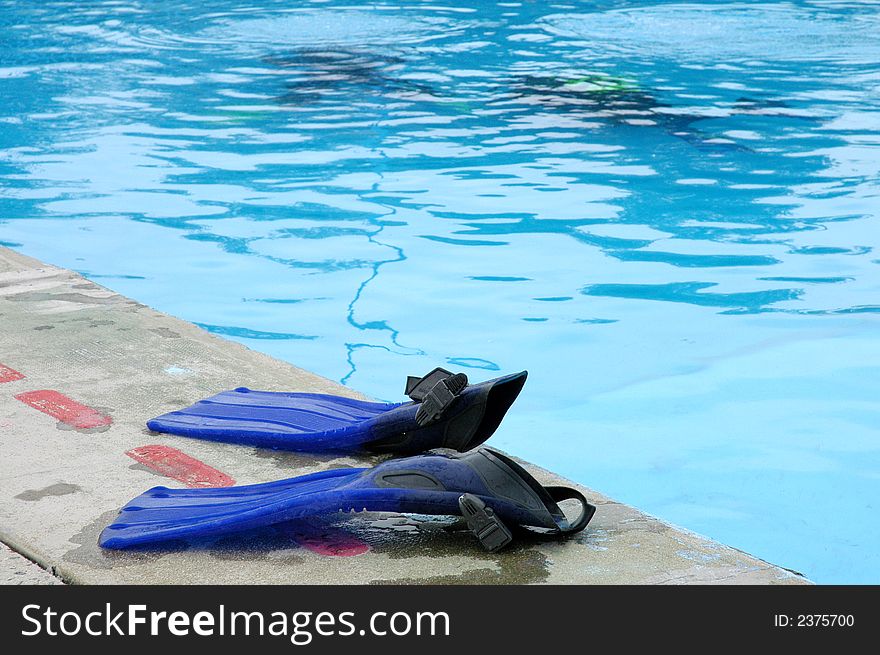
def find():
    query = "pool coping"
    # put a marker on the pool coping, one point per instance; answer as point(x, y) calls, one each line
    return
point(67, 469)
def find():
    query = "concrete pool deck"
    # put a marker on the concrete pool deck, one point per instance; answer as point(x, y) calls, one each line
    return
point(81, 370)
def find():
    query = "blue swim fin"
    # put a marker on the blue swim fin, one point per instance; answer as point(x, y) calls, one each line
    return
point(486, 487)
point(445, 412)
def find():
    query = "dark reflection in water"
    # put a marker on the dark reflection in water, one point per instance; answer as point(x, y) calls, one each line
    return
point(340, 74)
point(620, 102)
point(337, 73)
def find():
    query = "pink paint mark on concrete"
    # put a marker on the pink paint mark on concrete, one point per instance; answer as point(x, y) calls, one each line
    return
point(179, 466)
point(9, 374)
point(324, 539)
point(64, 409)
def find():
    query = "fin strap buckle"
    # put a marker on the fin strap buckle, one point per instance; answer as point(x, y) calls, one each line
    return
point(417, 388)
point(484, 523)
point(435, 392)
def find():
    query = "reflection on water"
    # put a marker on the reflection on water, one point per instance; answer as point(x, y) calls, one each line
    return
point(618, 102)
point(328, 74)
point(666, 212)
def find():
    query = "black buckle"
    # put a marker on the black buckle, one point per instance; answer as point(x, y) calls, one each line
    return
point(444, 387)
point(418, 388)
point(483, 522)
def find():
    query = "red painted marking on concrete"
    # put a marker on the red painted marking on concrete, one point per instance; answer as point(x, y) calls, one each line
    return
point(175, 464)
point(66, 410)
point(326, 540)
point(9, 375)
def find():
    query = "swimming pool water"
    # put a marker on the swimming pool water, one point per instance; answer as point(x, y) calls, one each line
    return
point(668, 212)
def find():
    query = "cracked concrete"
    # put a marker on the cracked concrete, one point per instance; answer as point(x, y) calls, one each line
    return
point(61, 486)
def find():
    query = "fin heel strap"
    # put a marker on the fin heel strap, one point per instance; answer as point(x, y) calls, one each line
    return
point(558, 494)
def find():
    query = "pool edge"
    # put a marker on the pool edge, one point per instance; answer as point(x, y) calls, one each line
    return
point(65, 333)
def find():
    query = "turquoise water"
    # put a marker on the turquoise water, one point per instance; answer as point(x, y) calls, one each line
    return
point(667, 212)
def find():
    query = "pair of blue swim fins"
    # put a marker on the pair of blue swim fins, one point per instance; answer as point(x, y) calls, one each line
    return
point(445, 420)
